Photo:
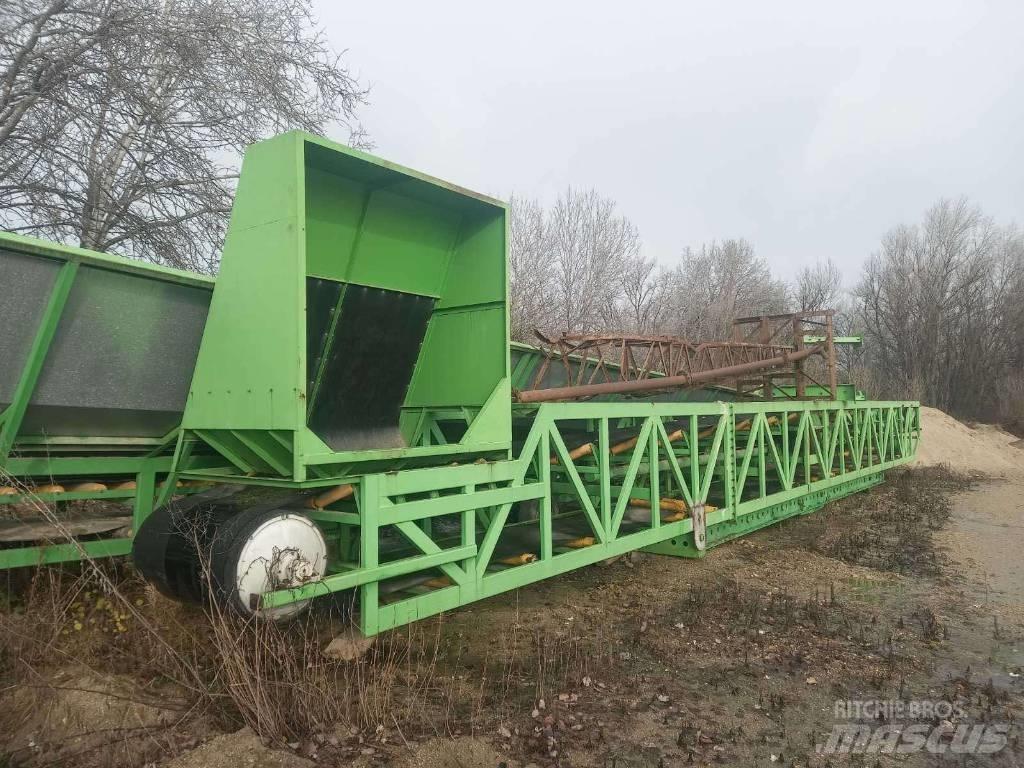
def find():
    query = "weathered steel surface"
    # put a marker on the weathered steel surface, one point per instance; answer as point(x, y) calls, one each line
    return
point(608, 364)
point(765, 365)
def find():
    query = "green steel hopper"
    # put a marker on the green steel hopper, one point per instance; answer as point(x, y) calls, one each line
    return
point(357, 304)
point(342, 412)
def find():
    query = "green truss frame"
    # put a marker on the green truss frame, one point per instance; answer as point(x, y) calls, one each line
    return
point(755, 463)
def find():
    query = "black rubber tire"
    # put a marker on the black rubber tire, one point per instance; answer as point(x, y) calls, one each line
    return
point(164, 548)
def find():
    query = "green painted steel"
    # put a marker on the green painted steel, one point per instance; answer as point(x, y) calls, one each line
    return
point(85, 279)
point(306, 209)
point(153, 478)
point(754, 463)
point(15, 412)
point(32, 457)
point(310, 209)
point(459, 493)
point(66, 253)
point(50, 554)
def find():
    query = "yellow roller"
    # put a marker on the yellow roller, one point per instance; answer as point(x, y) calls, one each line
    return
point(523, 559)
point(580, 543)
point(87, 488)
point(327, 498)
point(671, 505)
point(439, 582)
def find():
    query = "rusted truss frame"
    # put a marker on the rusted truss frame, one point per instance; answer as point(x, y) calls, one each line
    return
point(766, 329)
point(604, 363)
point(614, 357)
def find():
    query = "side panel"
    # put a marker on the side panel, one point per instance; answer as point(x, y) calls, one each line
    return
point(121, 359)
point(462, 357)
point(110, 357)
point(252, 365)
point(27, 280)
point(285, 379)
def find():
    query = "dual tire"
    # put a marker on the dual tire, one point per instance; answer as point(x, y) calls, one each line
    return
point(188, 550)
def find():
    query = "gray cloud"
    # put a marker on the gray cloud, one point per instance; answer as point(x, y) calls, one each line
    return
point(809, 128)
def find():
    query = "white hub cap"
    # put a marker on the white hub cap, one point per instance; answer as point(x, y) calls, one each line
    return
point(283, 552)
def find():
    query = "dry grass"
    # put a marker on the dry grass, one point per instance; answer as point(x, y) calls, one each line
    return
point(414, 682)
point(676, 660)
point(896, 534)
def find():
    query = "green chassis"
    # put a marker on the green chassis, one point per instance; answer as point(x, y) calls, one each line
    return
point(756, 463)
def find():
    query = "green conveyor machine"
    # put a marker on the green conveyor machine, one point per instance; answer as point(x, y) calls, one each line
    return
point(341, 411)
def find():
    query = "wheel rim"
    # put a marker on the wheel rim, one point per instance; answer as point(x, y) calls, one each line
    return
point(281, 553)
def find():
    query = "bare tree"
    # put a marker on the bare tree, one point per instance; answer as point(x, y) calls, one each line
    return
point(940, 305)
point(644, 288)
point(591, 247)
point(42, 46)
point(128, 140)
point(530, 270)
point(718, 283)
point(819, 286)
point(576, 267)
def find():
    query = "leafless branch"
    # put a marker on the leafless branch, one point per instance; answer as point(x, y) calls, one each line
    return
point(122, 121)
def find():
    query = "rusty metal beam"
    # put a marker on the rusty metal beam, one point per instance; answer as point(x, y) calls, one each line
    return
point(666, 382)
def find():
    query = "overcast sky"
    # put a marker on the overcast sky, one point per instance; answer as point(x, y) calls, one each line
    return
point(807, 128)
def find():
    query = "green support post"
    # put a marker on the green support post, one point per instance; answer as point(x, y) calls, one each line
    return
point(145, 492)
point(369, 518)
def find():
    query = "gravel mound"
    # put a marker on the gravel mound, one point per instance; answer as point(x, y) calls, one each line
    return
point(981, 449)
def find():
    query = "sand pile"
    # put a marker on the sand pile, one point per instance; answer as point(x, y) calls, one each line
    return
point(76, 712)
point(983, 449)
point(242, 749)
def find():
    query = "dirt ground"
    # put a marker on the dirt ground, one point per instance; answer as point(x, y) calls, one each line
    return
point(912, 592)
point(985, 538)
